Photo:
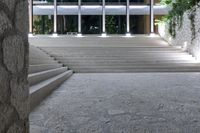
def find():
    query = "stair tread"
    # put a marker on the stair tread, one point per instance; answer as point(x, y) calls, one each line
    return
point(42, 67)
point(47, 71)
point(40, 76)
point(116, 54)
point(41, 90)
point(45, 82)
point(45, 64)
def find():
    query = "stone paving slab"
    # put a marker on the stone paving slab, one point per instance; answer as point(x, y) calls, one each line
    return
point(122, 103)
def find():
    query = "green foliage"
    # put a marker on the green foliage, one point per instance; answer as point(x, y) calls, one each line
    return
point(110, 25)
point(42, 25)
point(192, 20)
point(115, 24)
point(175, 16)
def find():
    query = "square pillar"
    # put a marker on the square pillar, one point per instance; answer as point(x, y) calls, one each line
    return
point(152, 16)
point(79, 17)
point(55, 18)
point(103, 17)
point(30, 17)
point(127, 17)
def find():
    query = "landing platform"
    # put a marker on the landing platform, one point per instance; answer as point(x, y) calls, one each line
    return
point(97, 41)
point(122, 103)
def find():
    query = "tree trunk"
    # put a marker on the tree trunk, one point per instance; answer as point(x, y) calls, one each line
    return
point(14, 93)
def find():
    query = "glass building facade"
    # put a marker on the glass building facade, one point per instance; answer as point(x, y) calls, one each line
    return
point(94, 16)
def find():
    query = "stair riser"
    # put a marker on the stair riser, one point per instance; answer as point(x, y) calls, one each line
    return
point(39, 95)
point(44, 76)
point(99, 51)
point(133, 71)
point(38, 57)
point(39, 61)
point(39, 68)
point(121, 54)
point(134, 66)
point(125, 58)
point(186, 63)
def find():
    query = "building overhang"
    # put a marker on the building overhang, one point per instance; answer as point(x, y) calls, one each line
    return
point(97, 10)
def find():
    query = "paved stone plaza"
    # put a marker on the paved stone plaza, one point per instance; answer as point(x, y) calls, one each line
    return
point(122, 103)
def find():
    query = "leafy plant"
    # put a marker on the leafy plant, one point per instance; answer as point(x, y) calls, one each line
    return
point(110, 25)
point(42, 25)
point(175, 16)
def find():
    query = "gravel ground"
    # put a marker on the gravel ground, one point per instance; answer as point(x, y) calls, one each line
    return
point(121, 103)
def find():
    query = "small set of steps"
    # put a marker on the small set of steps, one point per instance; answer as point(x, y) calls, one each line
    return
point(45, 75)
point(139, 54)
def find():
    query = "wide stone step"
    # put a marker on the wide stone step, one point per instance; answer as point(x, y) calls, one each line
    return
point(81, 53)
point(95, 70)
point(42, 67)
point(167, 49)
point(37, 61)
point(44, 75)
point(137, 65)
point(115, 54)
point(108, 47)
point(36, 52)
point(39, 91)
point(118, 54)
point(47, 57)
point(66, 53)
point(109, 62)
point(126, 59)
point(186, 57)
point(165, 54)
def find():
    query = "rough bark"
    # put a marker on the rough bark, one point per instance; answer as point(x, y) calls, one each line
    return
point(14, 93)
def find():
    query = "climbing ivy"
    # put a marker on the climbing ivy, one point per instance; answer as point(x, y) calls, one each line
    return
point(192, 21)
point(175, 16)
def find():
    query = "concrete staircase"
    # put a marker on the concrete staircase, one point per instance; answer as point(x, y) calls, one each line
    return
point(45, 75)
point(117, 54)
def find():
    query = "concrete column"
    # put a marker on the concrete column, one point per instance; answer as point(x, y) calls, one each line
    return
point(55, 17)
point(103, 17)
point(30, 17)
point(127, 17)
point(79, 17)
point(152, 16)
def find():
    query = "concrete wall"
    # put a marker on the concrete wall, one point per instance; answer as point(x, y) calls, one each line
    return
point(184, 34)
point(14, 93)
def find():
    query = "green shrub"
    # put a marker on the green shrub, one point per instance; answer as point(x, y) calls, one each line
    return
point(175, 16)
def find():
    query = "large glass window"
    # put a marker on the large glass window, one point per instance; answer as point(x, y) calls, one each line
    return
point(115, 24)
point(67, 2)
point(115, 2)
point(67, 24)
point(139, 2)
point(157, 2)
point(43, 24)
point(123, 2)
point(91, 24)
point(43, 2)
point(139, 24)
point(91, 2)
